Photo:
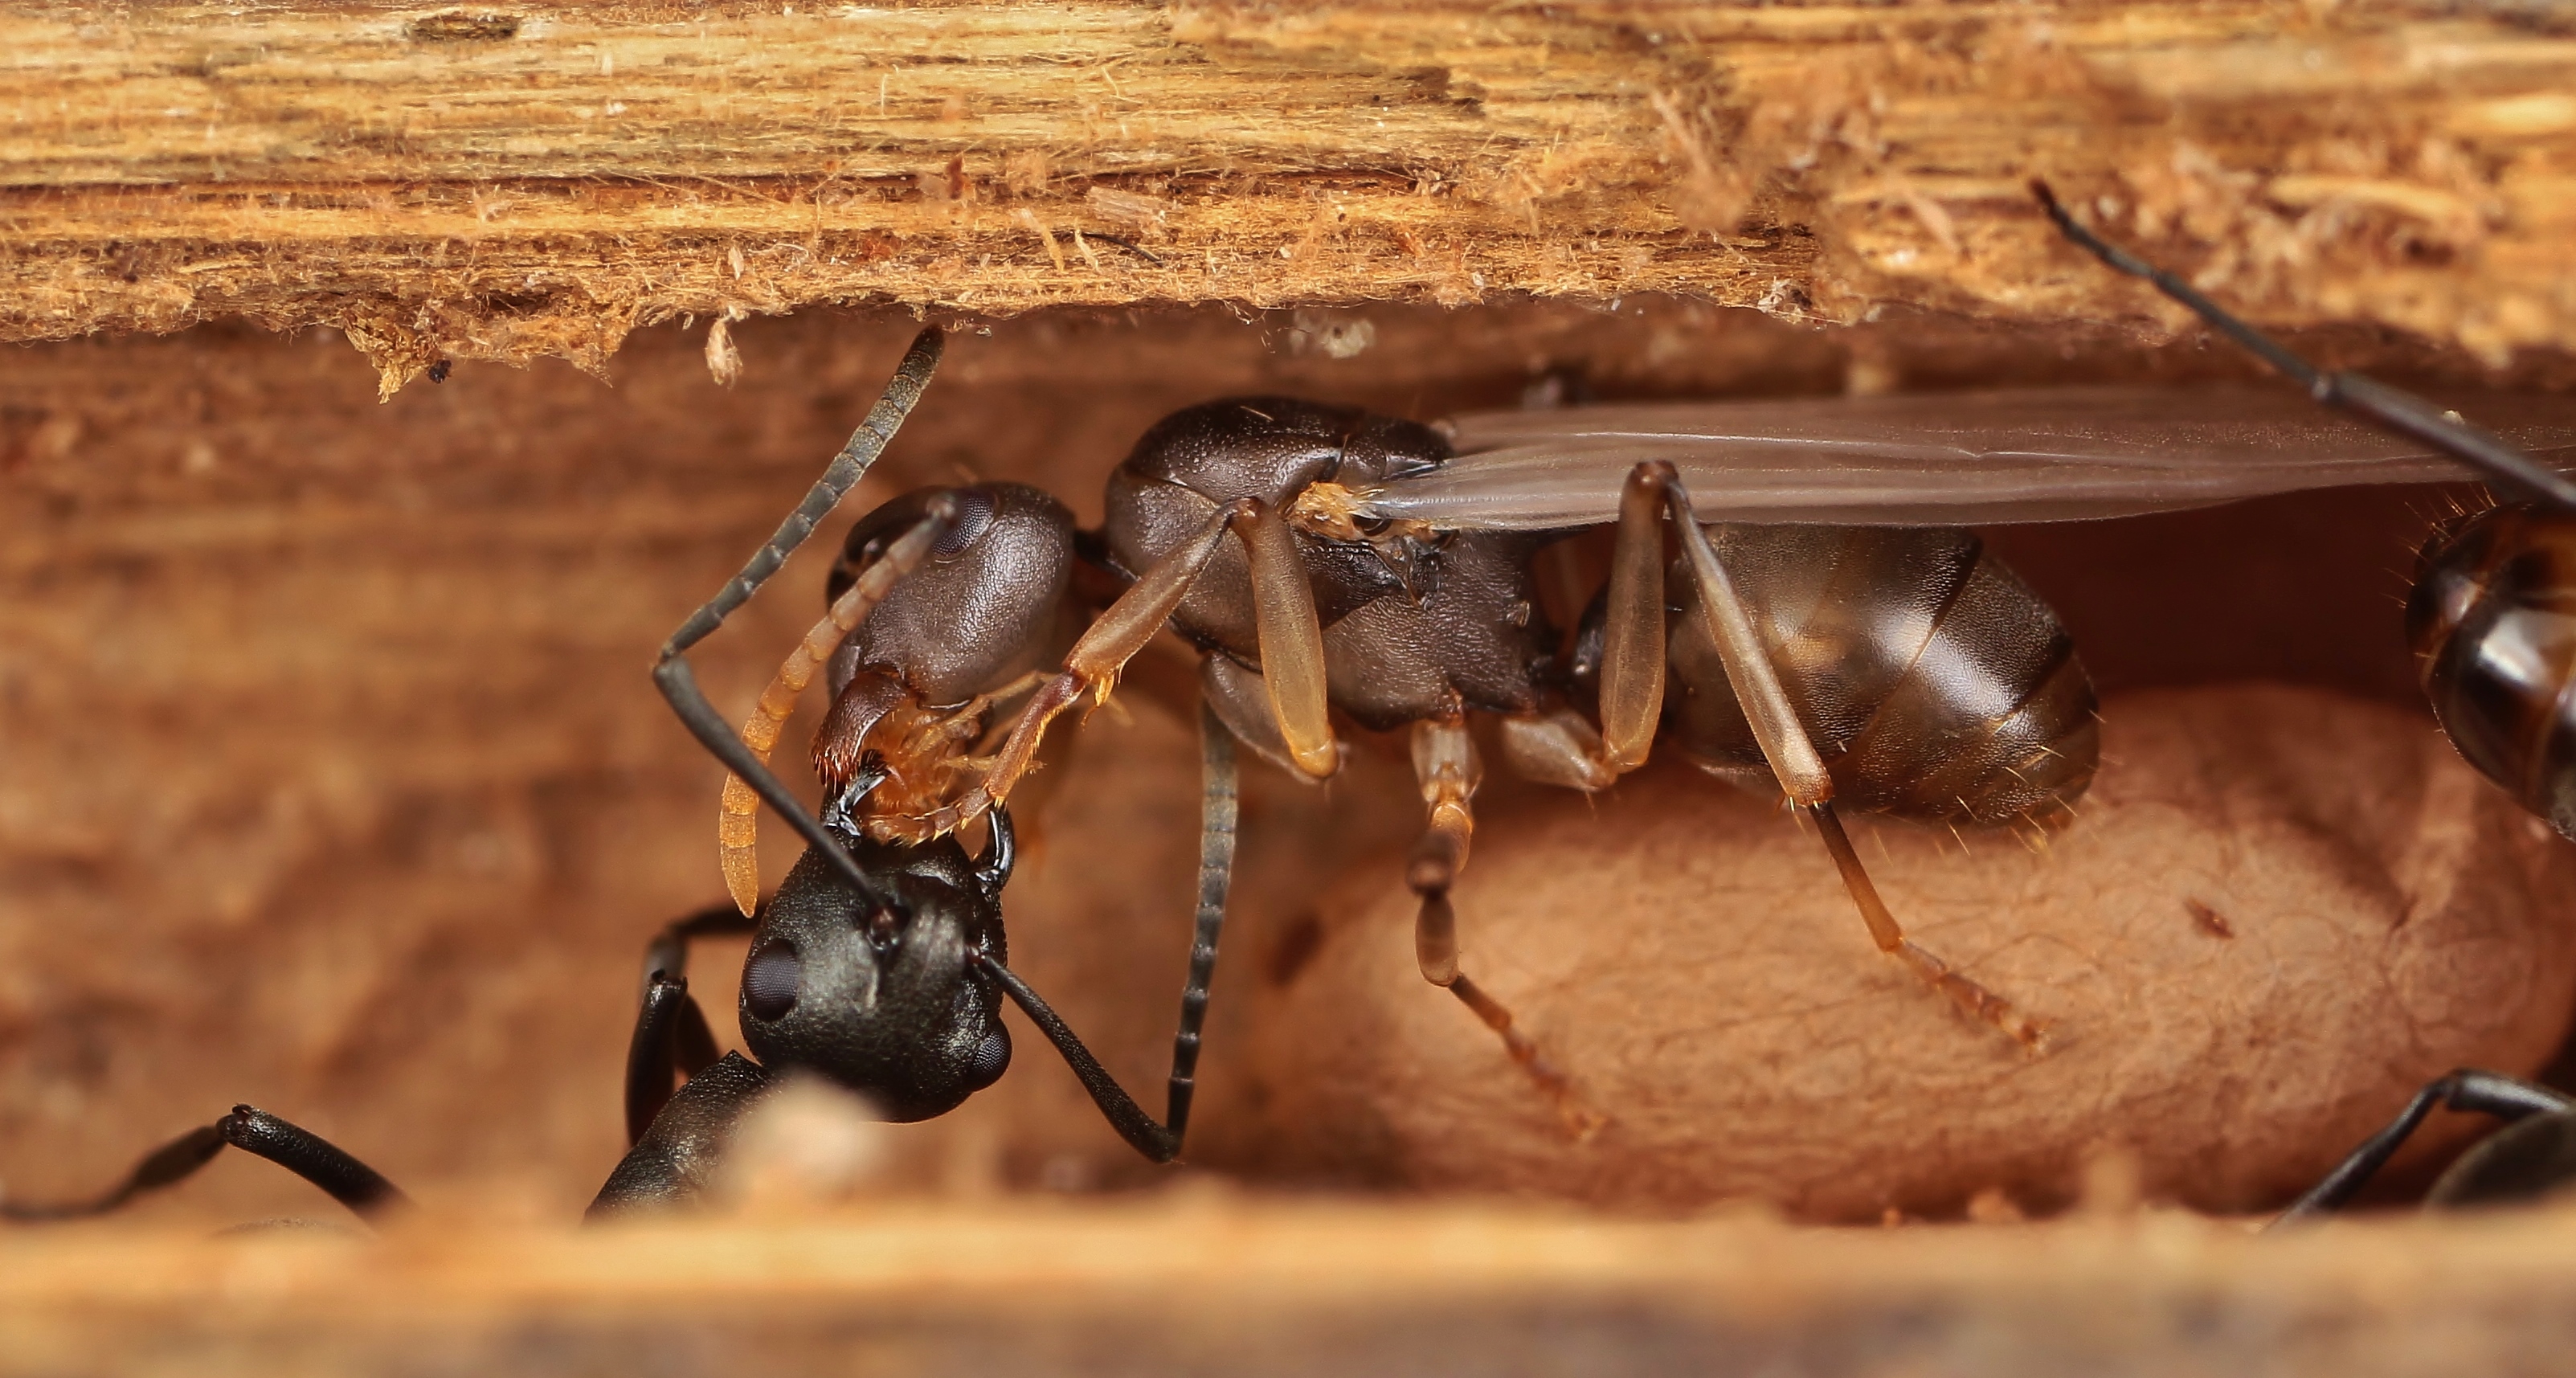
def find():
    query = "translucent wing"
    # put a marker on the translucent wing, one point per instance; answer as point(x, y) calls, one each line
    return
point(2054, 454)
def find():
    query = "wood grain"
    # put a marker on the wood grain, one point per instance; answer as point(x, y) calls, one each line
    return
point(510, 182)
point(1200, 1282)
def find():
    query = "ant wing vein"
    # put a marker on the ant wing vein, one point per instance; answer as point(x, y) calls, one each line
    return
point(2029, 455)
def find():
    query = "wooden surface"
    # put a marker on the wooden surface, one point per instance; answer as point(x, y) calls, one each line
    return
point(524, 180)
point(333, 781)
point(1204, 1284)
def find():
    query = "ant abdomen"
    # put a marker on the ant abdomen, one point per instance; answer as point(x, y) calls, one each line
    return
point(2492, 619)
point(1935, 685)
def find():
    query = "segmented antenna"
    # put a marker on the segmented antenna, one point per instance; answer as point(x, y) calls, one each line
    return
point(738, 814)
point(679, 684)
point(2516, 475)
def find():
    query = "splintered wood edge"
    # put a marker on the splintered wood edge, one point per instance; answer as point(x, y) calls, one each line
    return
point(517, 181)
point(1270, 1285)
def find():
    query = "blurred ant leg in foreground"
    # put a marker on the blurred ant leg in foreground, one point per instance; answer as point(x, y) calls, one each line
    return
point(350, 1182)
point(2535, 1156)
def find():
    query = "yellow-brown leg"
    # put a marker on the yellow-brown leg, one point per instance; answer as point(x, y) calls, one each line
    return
point(738, 813)
point(1560, 748)
point(1801, 771)
point(1292, 655)
point(1444, 761)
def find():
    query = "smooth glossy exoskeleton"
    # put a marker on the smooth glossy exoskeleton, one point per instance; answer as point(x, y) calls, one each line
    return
point(884, 994)
point(957, 623)
point(2492, 619)
point(881, 966)
point(1413, 627)
point(1935, 685)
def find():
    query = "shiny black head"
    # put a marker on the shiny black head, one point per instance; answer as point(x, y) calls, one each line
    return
point(885, 998)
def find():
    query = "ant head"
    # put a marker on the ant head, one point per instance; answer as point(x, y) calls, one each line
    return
point(882, 994)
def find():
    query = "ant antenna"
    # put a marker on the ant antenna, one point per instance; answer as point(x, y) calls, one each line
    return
point(2518, 475)
point(679, 684)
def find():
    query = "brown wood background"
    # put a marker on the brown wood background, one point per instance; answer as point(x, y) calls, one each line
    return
point(330, 779)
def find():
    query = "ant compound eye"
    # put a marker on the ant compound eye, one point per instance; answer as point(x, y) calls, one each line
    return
point(974, 513)
point(885, 926)
point(769, 982)
point(992, 1058)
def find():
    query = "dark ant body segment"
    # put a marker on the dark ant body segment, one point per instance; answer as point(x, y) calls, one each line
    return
point(2492, 618)
point(895, 1005)
point(1938, 687)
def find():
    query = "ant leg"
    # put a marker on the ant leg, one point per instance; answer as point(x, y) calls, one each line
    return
point(668, 953)
point(1801, 771)
point(671, 1033)
point(738, 812)
point(1291, 638)
point(649, 1051)
point(168, 1165)
point(1632, 650)
point(679, 684)
point(350, 1182)
point(2507, 468)
point(1218, 812)
point(1559, 747)
point(1444, 760)
point(1218, 809)
point(1120, 1109)
point(2466, 1090)
point(307, 1155)
point(671, 1040)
